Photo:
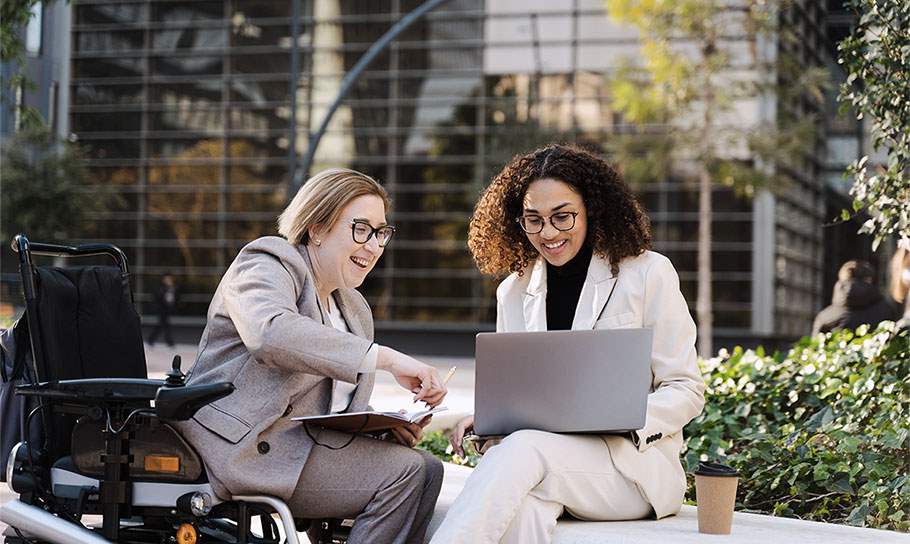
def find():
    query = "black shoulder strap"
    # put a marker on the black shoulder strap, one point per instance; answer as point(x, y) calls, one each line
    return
point(23, 346)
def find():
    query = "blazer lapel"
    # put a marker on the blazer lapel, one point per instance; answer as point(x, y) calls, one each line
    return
point(355, 325)
point(596, 291)
point(535, 298)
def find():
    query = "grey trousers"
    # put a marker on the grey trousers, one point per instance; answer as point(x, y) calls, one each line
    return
point(388, 490)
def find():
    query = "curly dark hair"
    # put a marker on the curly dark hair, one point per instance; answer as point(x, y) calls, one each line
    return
point(617, 224)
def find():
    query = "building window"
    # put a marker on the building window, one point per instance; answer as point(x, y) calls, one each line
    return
point(52, 106)
point(33, 31)
point(17, 111)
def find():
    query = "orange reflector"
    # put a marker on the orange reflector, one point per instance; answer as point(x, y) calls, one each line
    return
point(162, 463)
point(186, 534)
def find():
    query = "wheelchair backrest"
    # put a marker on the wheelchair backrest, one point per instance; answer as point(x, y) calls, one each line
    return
point(88, 326)
point(82, 324)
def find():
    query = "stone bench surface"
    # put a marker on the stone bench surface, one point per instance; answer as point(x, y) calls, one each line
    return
point(683, 528)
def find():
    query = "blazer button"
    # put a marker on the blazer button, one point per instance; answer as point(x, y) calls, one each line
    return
point(263, 447)
point(288, 410)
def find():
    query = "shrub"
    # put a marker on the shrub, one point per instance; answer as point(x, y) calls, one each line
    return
point(437, 443)
point(821, 432)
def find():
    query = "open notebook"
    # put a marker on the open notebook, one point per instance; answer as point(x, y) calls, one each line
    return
point(367, 422)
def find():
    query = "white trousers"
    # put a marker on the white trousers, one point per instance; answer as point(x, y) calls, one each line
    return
point(521, 486)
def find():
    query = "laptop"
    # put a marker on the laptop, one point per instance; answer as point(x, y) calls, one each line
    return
point(594, 381)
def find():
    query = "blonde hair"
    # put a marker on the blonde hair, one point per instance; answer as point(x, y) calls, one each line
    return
point(321, 199)
point(899, 262)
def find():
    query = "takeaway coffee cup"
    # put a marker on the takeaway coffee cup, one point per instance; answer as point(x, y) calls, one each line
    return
point(715, 492)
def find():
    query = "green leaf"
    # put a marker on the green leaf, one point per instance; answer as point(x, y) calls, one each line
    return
point(820, 418)
point(858, 515)
point(820, 473)
point(841, 485)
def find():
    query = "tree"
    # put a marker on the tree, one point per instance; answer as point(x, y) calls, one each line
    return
point(876, 57)
point(683, 96)
point(14, 16)
point(41, 185)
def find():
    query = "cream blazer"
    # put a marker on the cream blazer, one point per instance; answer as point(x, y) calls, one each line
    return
point(645, 293)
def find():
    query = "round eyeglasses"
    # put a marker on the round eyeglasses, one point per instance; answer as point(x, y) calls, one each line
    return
point(533, 224)
point(362, 231)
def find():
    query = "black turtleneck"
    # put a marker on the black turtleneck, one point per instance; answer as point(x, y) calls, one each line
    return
point(564, 285)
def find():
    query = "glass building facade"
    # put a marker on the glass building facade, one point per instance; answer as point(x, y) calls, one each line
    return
point(195, 114)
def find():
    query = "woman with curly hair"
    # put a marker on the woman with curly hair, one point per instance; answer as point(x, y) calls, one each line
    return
point(575, 243)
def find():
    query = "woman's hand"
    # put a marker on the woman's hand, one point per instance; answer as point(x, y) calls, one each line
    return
point(456, 437)
point(409, 435)
point(419, 378)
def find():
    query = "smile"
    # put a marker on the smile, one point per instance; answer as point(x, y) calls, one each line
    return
point(555, 245)
point(360, 262)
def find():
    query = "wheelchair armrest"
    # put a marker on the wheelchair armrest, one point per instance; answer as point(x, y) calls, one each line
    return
point(182, 403)
point(92, 391)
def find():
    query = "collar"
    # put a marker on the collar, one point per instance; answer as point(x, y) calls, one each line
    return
point(598, 285)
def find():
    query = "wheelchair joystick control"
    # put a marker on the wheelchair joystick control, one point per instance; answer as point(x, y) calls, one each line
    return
point(175, 377)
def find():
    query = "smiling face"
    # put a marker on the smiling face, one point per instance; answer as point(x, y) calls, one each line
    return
point(548, 198)
point(338, 260)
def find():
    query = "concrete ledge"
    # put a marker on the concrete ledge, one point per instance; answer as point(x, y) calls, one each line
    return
point(683, 528)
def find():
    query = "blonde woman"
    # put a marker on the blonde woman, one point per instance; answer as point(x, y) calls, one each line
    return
point(287, 327)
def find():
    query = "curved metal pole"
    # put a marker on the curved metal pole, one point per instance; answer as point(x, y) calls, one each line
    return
point(303, 170)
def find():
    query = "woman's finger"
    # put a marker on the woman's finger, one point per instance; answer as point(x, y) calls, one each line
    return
point(416, 431)
point(402, 436)
point(456, 439)
point(409, 434)
point(425, 421)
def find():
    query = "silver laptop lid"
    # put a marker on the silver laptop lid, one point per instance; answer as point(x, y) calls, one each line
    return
point(562, 381)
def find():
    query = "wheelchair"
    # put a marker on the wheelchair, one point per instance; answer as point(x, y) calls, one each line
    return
point(104, 445)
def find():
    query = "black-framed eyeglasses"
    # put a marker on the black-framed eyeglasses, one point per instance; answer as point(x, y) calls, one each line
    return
point(362, 231)
point(533, 224)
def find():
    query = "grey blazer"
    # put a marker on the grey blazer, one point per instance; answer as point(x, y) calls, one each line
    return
point(265, 334)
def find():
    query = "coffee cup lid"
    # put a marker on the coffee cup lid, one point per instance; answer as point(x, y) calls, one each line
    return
point(707, 468)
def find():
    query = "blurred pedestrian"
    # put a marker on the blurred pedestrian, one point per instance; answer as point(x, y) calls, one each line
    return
point(900, 283)
point(165, 303)
point(856, 300)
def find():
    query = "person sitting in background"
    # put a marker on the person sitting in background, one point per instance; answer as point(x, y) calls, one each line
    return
point(900, 283)
point(856, 301)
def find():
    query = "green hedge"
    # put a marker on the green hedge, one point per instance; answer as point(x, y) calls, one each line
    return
point(821, 432)
point(438, 444)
